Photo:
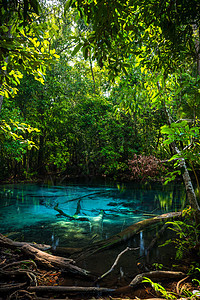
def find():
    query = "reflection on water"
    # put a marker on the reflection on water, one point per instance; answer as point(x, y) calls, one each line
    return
point(27, 211)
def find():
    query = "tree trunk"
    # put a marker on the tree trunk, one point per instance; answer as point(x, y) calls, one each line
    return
point(186, 177)
point(1, 101)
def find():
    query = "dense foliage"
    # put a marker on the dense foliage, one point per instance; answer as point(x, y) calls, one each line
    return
point(104, 110)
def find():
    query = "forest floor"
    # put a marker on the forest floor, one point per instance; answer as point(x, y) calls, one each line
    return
point(21, 277)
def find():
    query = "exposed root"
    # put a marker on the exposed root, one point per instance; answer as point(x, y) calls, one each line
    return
point(178, 284)
point(22, 295)
point(155, 275)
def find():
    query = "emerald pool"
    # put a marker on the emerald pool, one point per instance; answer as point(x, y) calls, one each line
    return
point(27, 211)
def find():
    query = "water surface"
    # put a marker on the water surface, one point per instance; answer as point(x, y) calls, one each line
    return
point(27, 211)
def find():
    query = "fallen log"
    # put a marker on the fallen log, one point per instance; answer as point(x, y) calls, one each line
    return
point(51, 261)
point(43, 258)
point(69, 289)
point(124, 235)
point(8, 243)
point(155, 275)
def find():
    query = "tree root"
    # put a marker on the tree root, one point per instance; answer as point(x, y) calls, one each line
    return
point(178, 284)
point(31, 262)
point(22, 294)
point(155, 275)
point(31, 277)
point(10, 287)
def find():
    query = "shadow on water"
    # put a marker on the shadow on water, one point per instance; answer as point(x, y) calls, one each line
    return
point(95, 212)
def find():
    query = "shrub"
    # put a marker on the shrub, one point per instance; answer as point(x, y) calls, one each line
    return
point(146, 167)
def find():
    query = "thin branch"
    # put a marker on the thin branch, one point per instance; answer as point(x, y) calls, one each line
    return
point(115, 262)
point(188, 120)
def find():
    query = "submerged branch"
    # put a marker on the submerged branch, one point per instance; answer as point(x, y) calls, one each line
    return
point(155, 239)
point(124, 235)
point(88, 195)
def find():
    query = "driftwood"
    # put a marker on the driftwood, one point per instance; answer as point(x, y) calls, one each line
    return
point(155, 275)
point(62, 213)
point(51, 261)
point(8, 243)
point(76, 216)
point(115, 263)
point(124, 235)
point(43, 258)
point(69, 289)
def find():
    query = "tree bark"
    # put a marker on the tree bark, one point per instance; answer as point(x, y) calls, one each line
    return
point(43, 258)
point(69, 289)
point(49, 261)
point(6, 242)
point(186, 177)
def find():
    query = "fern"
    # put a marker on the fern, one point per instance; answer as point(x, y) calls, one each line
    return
point(159, 289)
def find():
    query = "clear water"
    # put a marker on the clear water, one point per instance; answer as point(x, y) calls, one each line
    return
point(27, 210)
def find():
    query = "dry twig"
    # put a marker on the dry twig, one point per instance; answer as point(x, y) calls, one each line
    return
point(115, 262)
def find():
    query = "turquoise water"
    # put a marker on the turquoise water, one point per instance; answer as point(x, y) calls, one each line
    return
point(27, 211)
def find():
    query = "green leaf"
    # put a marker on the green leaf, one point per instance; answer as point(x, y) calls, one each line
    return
point(166, 130)
point(76, 49)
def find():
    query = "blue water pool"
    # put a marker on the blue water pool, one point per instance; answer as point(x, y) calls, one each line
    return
point(96, 211)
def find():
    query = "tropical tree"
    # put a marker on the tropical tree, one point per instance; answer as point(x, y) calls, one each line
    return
point(162, 36)
point(24, 46)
